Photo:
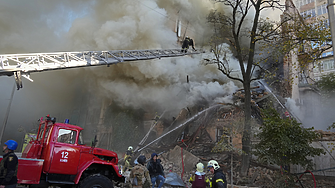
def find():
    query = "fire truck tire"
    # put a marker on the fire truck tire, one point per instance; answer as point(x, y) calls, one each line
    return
point(96, 181)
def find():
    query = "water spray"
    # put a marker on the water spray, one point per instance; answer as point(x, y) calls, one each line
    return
point(281, 104)
point(147, 135)
point(195, 116)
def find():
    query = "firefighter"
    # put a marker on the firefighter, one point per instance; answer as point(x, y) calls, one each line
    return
point(186, 43)
point(219, 179)
point(128, 163)
point(140, 174)
point(9, 165)
point(199, 179)
point(156, 170)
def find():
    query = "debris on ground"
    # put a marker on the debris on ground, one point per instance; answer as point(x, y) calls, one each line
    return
point(193, 143)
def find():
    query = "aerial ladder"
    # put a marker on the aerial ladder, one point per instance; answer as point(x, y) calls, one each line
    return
point(21, 65)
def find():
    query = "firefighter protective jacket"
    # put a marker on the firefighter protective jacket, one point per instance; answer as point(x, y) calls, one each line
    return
point(8, 169)
point(219, 179)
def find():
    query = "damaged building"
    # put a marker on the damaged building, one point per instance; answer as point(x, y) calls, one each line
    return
point(182, 145)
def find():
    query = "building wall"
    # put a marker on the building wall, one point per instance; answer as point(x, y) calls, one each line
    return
point(324, 165)
point(318, 9)
point(303, 78)
point(224, 124)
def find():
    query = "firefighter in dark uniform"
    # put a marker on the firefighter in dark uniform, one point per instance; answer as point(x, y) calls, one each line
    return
point(186, 43)
point(219, 179)
point(9, 165)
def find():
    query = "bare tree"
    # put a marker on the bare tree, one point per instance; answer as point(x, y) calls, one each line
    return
point(235, 28)
point(255, 40)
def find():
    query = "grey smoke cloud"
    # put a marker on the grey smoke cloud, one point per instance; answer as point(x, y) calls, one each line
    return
point(167, 87)
point(74, 25)
point(146, 25)
point(126, 24)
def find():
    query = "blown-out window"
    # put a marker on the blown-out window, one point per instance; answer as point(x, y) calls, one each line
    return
point(222, 133)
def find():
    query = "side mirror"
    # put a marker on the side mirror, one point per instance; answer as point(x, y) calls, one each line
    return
point(94, 142)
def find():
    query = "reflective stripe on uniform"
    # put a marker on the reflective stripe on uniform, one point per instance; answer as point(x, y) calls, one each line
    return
point(192, 178)
point(218, 180)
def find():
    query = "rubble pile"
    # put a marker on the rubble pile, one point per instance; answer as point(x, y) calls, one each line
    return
point(182, 150)
point(259, 175)
point(324, 182)
point(183, 163)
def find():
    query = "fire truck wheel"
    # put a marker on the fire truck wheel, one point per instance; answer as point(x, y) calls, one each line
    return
point(96, 181)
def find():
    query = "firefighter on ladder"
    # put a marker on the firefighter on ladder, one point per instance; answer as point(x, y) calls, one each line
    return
point(186, 43)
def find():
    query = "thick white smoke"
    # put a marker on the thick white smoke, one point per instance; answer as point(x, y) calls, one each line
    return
point(75, 25)
point(163, 83)
point(147, 24)
point(126, 24)
point(291, 105)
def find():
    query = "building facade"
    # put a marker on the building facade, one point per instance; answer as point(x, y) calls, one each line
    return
point(301, 79)
point(317, 9)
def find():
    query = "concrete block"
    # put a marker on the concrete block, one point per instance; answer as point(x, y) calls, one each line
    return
point(190, 160)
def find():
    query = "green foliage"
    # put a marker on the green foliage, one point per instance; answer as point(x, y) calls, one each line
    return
point(284, 141)
point(304, 36)
point(327, 87)
point(327, 84)
point(310, 36)
point(331, 126)
point(223, 144)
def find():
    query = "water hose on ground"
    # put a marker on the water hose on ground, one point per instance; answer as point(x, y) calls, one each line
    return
point(312, 176)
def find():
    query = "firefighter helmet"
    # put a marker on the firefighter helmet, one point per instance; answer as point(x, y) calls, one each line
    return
point(214, 164)
point(11, 144)
point(187, 37)
point(141, 159)
point(130, 148)
point(200, 167)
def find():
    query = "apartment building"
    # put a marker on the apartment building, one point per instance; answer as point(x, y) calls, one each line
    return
point(318, 9)
point(299, 80)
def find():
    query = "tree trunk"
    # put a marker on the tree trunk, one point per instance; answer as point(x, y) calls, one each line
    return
point(246, 141)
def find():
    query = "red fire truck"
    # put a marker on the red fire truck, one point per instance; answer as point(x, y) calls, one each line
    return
point(59, 157)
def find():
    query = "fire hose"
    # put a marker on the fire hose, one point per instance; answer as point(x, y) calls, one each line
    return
point(312, 176)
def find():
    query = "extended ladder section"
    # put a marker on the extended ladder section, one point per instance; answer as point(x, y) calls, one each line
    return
point(24, 64)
